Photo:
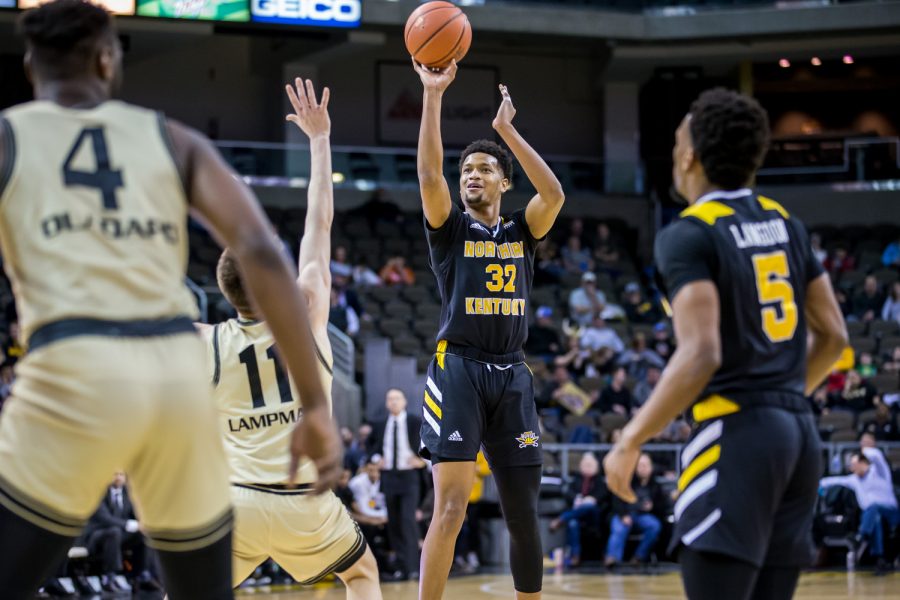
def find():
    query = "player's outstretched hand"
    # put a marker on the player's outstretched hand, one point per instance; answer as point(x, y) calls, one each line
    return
point(507, 110)
point(619, 465)
point(309, 115)
point(316, 438)
point(436, 79)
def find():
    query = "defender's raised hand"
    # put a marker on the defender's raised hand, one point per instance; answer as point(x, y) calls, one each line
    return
point(436, 79)
point(309, 115)
point(507, 110)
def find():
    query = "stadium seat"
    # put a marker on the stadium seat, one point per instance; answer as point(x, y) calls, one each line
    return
point(610, 422)
point(885, 382)
point(863, 344)
point(886, 277)
point(843, 435)
point(836, 420)
point(883, 328)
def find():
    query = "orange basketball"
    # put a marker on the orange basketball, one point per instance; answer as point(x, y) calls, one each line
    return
point(436, 33)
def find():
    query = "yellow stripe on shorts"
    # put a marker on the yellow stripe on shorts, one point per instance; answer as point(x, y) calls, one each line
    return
point(713, 407)
point(700, 464)
point(433, 405)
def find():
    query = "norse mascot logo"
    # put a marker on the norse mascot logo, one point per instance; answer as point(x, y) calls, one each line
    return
point(529, 438)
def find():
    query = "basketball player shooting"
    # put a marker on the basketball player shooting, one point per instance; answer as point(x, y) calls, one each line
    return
point(478, 389)
point(93, 227)
point(309, 536)
point(747, 294)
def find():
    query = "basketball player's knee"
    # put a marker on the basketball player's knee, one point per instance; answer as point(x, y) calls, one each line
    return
point(452, 512)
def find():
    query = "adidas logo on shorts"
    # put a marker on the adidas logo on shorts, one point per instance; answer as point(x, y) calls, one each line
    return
point(455, 437)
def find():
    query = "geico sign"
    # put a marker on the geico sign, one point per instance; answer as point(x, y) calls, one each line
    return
point(320, 12)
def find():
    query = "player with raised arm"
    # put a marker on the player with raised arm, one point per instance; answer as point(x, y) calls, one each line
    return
point(747, 294)
point(94, 200)
point(309, 536)
point(479, 391)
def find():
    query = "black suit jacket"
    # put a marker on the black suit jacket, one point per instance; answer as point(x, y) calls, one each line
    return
point(375, 443)
point(108, 514)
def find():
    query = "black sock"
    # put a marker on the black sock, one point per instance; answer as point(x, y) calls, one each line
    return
point(29, 555)
point(202, 574)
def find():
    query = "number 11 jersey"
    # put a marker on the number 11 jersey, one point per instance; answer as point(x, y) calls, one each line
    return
point(93, 215)
point(258, 405)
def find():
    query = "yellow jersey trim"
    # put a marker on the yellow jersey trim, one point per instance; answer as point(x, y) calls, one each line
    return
point(769, 204)
point(709, 212)
point(713, 407)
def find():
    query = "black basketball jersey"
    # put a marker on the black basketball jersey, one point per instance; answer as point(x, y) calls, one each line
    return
point(761, 262)
point(484, 276)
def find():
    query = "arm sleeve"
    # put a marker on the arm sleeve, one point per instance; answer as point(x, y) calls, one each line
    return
point(879, 462)
point(440, 240)
point(684, 253)
point(519, 218)
point(844, 480)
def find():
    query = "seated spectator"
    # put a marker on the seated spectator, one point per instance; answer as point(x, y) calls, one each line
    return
point(891, 363)
point(639, 358)
point(395, 272)
point(883, 427)
point(575, 258)
point(114, 528)
point(819, 401)
point(607, 249)
point(891, 309)
point(543, 336)
point(364, 276)
point(598, 335)
point(641, 515)
point(368, 507)
point(615, 397)
point(815, 241)
point(865, 366)
point(891, 255)
point(868, 303)
point(839, 262)
point(12, 348)
point(586, 301)
point(576, 360)
point(875, 496)
point(844, 303)
point(354, 452)
point(565, 393)
point(342, 315)
point(857, 395)
point(548, 268)
point(645, 386)
point(342, 489)
point(639, 309)
point(340, 264)
point(662, 341)
point(677, 432)
point(586, 493)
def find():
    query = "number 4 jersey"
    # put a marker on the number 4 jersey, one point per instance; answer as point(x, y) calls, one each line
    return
point(484, 276)
point(93, 215)
point(258, 405)
point(760, 260)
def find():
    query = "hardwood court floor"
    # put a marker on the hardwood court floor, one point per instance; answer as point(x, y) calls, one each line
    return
point(813, 586)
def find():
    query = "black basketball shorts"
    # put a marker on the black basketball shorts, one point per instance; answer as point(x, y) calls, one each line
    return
point(471, 404)
point(748, 485)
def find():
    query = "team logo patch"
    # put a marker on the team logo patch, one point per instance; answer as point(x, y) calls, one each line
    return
point(529, 438)
point(455, 437)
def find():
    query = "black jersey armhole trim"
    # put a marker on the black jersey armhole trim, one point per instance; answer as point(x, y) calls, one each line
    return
point(9, 154)
point(170, 146)
point(217, 373)
point(322, 359)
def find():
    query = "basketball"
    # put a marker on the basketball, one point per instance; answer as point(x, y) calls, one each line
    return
point(436, 33)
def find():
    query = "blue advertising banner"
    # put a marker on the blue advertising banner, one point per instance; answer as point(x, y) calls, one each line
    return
point(320, 13)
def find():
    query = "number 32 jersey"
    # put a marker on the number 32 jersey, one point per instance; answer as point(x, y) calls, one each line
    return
point(93, 214)
point(760, 260)
point(258, 405)
point(484, 276)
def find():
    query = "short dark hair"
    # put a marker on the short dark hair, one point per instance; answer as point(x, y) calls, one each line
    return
point(492, 148)
point(231, 283)
point(730, 133)
point(859, 455)
point(62, 35)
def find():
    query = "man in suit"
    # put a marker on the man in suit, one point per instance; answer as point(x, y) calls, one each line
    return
point(112, 528)
point(396, 439)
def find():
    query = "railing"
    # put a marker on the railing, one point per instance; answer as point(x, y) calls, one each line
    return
point(833, 450)
point(342, 350)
